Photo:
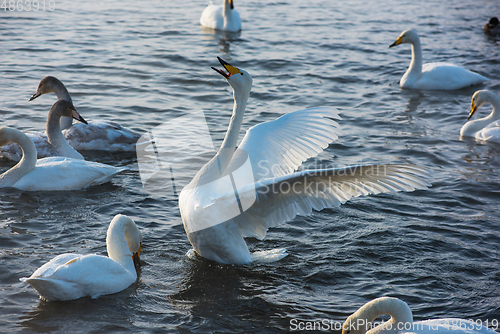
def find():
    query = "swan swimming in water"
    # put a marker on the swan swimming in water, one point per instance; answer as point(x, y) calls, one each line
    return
point(71, 276)
point(94, 135)
point(486, 128)
point(401, 321)
point(433, 76)
point(53, 173)
point(241, 193)
point(223, 17)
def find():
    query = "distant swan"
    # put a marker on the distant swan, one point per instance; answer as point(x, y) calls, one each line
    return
point(401, 321)
point(223, 17)
point(95, 135)
point(71, 276)
point(486, 128)
point(241, 193)
point(55, 173)
point(433, 76)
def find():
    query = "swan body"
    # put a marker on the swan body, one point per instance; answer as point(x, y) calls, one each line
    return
point(433, 76)
point(53, 173)
point(486, 128)
point(94, 135)
point(223, 17)
point(401, 321)
point(492, 28)
point(241, 193)
point(72, 276)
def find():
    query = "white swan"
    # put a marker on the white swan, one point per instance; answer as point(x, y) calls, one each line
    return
point(242, 193)
point(433, 76)
point(94, 135)
point(486, 128)
point(54, 173)
point(401, 321)
point(223, 17)
point(72, 276)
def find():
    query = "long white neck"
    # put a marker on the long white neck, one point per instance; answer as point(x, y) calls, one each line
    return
point(226, 9)
point(215, 168)
point(229, 144)
point(119, 230)
point(63, 94)
point(471, 127)
point(415, 69)
point(27, 162)
point(398, 310)
point(56, 138)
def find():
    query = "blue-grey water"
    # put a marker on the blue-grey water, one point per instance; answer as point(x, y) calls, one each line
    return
point(145, 63)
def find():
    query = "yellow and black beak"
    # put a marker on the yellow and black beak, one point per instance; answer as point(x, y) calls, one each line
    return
point(473, 109)
point(231, 69)
point(137, 258)
point(76, 115)
point(397, 42)
point(231, 4)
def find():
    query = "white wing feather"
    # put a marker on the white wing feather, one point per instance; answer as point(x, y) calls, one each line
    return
point(279, 147)
point(282, 198)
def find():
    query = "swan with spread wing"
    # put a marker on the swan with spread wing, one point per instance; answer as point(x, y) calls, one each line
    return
point(243, 192)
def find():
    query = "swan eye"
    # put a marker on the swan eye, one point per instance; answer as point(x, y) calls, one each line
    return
point(241, 73)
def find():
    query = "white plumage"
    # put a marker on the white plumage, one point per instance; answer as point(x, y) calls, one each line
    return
point(53, 173)
point(72, 276)
point(486, 128)
point(243, 192)
point(224, 17)
point(433, 76)
point(401, 321)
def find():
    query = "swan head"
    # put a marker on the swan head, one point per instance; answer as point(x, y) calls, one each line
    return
point(66, 108)
point(478, 99)
point(407, 36)
point(124, 239)
point(360, 321)
point(48, 84)
point(240, 80)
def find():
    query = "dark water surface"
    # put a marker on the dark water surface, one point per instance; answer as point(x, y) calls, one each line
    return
point(145, 63)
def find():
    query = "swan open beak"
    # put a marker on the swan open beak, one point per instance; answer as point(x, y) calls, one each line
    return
point(34, 96)
point(397, 42)
point(137, 258)
point(76, 115)
point(473, 109)
point(231, 69)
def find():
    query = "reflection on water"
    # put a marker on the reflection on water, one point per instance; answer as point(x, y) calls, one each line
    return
point(142, 65)
point(223, 38)
point(72, 316)
point(216, 294)
point(414, 101)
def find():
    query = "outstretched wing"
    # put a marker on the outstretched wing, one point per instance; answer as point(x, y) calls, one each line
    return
point(278, 147)
point(282, 198)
